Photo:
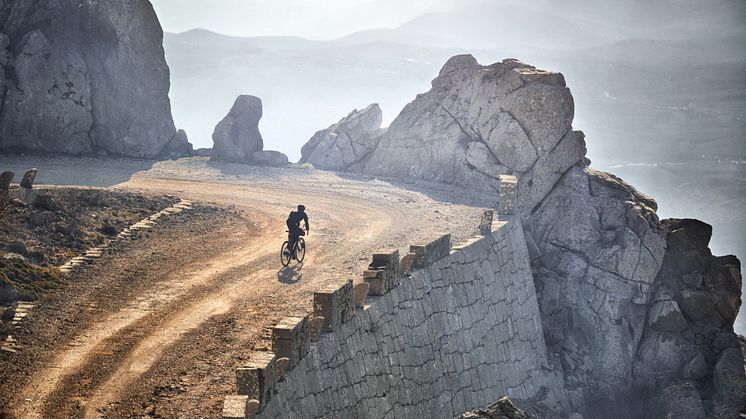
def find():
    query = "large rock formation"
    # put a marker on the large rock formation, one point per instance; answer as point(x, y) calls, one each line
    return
point(236, 138)
point(478, 122)
point(81, 77)
point(346, 144)
point(626, 316)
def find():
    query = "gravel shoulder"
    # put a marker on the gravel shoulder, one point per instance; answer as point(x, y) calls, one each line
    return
point(158, 328)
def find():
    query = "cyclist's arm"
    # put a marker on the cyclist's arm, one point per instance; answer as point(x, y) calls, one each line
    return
point(305, 219)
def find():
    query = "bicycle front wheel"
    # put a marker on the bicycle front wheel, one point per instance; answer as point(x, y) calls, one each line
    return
point(285, 254)
point(300, 250)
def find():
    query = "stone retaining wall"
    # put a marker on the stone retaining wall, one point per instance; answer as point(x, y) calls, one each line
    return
point(453, 336)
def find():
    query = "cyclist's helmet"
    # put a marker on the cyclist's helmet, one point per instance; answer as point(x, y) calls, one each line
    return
point(301, 208)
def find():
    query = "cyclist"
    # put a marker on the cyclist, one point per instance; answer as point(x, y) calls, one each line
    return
point(294, 228)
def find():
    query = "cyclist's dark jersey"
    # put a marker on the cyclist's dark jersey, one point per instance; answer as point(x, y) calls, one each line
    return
point(295, 218)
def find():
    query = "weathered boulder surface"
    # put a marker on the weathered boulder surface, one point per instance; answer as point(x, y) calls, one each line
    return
point(80, 77)
point(270, 158)
point(503, 408)
point(637, 313)
point(346, 144)
point(236, 138)
point(478, 122)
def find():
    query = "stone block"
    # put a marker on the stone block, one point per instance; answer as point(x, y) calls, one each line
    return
point(235, 407)
point(380, 281)
point(258, 377)
point(335, 304)
point(361, 292)
point(385, 259)
point(290, 339)
point(406, 263)
point(431, 251)
point(507, 195)
point(317, 323)
point(485, 225)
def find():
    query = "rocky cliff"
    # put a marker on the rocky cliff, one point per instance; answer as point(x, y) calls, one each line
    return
point(84, 77)
point(637, 314)
point(347, 144)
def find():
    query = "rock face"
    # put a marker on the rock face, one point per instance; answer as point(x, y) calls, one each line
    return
point(637, 314)
point(479, 122)
point(236, 138)
point(501, 409)
point(81, 77)
point(346, 144)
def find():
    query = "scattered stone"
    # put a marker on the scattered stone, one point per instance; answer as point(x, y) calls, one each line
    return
point(28, 179)
point(43, 218)
point(236, 138)
point(270, 158)
point(46, 202)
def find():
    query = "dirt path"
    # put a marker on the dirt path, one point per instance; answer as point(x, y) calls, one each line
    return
point(170, 349)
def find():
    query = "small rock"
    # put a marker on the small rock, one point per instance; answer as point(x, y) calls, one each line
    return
point(45, 202)
point(14, 256)
point(43, 218)
point(8, 314)
point(270, 158)
point(8, 294)
point(5, 179)
point(28, 179)
point(108, 229)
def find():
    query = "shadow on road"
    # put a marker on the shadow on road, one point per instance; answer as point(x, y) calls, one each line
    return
point(290, 275)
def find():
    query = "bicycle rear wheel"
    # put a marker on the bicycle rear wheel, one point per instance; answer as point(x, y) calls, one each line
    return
point(285, 255)
point(300, 250)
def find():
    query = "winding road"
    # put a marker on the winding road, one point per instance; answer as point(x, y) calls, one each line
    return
point(168, 345)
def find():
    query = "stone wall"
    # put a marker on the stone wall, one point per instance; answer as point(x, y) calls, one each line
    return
point(452, 336)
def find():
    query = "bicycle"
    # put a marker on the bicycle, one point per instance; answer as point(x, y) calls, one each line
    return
point(299, 252)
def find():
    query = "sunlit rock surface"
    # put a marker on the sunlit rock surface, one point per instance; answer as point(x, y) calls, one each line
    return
point(346, 144)
point(633, 309)
point(236, 137)
point(85, 77)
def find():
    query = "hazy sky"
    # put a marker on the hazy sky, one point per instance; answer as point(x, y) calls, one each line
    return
point(315, 19)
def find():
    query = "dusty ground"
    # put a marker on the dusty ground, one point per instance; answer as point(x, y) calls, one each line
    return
point(157, 328)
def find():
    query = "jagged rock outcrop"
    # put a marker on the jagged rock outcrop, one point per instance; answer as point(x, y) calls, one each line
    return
point(346, 144)
point(236, 138)
point(689, 341)
point(84, 77)
point(622, 320)
point(503, 408)
point(478, 122)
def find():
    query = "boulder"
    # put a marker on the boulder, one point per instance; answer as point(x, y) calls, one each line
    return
point(41, 218)
point(28, 179)
point(8, 293)
point(236, 138)
point(346, 143)
point(46, 202)
point(5, 179)
point(179, 146)
point(270, 158)
point(83, 80)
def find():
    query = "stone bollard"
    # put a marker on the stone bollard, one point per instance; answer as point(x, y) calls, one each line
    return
point(383, 272)
point(430, 252)
point(258, 377)
point(335, 304)
point(235, 407)
point(317, 323)
point(282, 366)
point(508, 195)
point(485, 226)
point(290, 339)
point(253, 408)
point(28, 179)
point(361, 292)
point(5, 179)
